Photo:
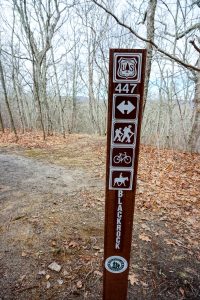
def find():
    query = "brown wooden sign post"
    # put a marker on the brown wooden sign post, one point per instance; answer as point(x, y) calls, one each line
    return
point(126, 85)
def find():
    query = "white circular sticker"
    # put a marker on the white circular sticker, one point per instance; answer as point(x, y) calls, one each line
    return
point(116, 264)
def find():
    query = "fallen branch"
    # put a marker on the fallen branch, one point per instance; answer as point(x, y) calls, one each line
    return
point(27, 288)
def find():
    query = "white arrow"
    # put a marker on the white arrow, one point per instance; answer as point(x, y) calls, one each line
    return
point(129, 107)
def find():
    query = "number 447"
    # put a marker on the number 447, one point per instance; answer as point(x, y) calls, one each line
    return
point(128, 88)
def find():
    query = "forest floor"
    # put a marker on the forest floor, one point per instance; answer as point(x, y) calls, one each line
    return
point(52, 210)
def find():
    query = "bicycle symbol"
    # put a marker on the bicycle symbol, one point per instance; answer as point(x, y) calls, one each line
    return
point(122, 157)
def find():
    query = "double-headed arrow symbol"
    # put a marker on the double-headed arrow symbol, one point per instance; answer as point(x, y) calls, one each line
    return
point(129, 107)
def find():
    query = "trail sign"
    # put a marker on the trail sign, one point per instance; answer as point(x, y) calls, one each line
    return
point(126, 85)
point(125, 106)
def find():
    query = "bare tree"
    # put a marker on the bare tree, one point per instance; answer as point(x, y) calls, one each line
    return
point(2, 79)
point(58, 94)
point(195, 130)
point(59, 75)
point(16, 84)
point(1, 123)
point(150, 16)
point(183, 29)
point(156, 47)
point(47, 18)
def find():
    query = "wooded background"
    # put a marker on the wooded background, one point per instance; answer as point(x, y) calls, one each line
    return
point(54, 66)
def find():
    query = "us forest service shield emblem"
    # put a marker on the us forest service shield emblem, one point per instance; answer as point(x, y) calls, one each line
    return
point(127, 68)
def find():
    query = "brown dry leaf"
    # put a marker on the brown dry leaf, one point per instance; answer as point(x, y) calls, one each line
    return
point(181, 290)
point(96, 248)
point(22, 277)
point(86, 258)
point(192, 242)
point(169, 242)
point(98, 273)
point(140, 190)
point(144, 226)
point(133, 279)
point(73, 244)
point(144, 284)
point(79, 284)
point(144, 237)
point(178, 242)
point(100, 199)
point(191, 220)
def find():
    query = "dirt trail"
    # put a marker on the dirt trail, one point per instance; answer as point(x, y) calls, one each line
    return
point(29, 174)
point(41, 208)
point(52, 209)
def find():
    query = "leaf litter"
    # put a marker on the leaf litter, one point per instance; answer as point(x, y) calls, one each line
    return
point(68, 228)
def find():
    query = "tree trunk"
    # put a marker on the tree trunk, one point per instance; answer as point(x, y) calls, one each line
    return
point(15, 71)
point(1, 123)
point(59, 95)
point(17, 100)
point(150, 36)
point(195, 131)
point(74, 98)
point(21, 102)
point(6, 100)
point(43, 95)
point(91, 93)
point(36, 87)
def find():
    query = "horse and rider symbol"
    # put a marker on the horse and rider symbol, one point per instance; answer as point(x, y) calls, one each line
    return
point(121, 179)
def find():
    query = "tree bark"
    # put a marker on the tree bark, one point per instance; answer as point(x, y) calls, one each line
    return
point(74, 98)
point(59, 95)
point(17, 100)
point(195, 130)
point(15, 71)
point(6, 100)
point(36, 92)
point(1, 123)
point(150, 36)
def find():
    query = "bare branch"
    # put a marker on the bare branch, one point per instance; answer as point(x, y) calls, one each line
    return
point(194, 45)
point(176, 59)
point(15, 56)
point(193, 27)
point(182, 34)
